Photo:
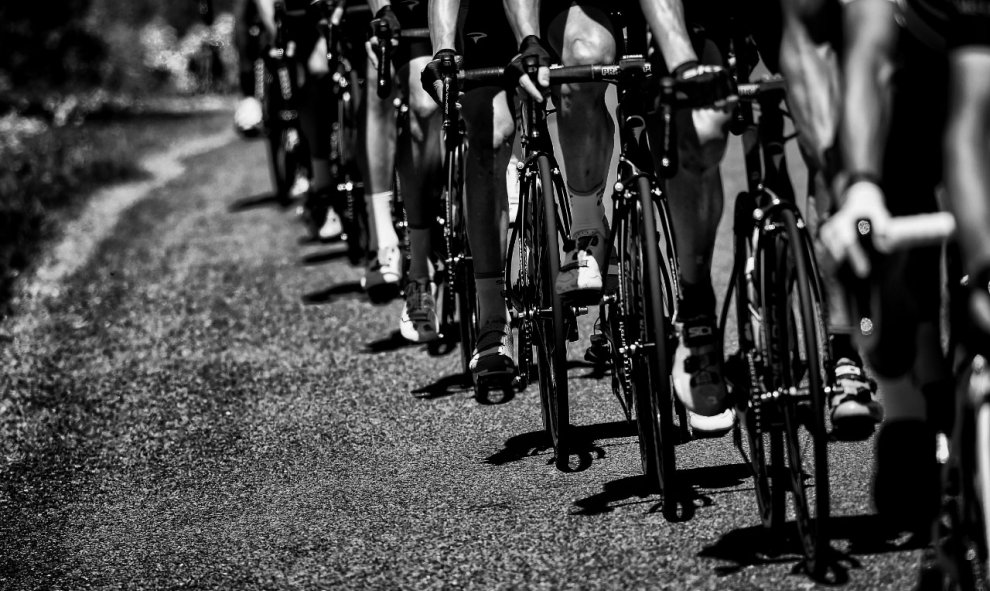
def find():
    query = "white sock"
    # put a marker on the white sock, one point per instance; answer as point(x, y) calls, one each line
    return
point(491, 303)
point(382, 203)
point(587, 211)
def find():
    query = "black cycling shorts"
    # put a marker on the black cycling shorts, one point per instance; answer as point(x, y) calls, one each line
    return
point(484, 36)
point(412, 14)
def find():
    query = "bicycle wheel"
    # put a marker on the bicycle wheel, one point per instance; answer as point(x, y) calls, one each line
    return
point(549, 331)
point(648, 324)
point(762, 422)
point(796, 342)
point(284, 161)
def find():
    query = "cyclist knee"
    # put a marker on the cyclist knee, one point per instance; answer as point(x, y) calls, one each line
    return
point(704, 143)
point(594, 46)
point(420, 103)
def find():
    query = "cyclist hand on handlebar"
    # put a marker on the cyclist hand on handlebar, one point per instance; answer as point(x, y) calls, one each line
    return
point(446, 62)
point(531, 53)
point(710, 84)
point(387, 24)
point(862, 199)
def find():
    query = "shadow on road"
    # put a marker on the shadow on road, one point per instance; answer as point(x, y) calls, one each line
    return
point(757, 545)
point(585, 448)
point(257, 202)
point(444, 387)
point(326, 256)
point(332, 294)
point(625, 491)
point(393, 342)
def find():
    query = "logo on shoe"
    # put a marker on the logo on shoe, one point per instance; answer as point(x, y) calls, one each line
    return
point(694, 332)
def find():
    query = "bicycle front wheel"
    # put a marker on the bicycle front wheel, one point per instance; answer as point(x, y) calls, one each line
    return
point(549, 334)
point(797, 345)
point(650, 322)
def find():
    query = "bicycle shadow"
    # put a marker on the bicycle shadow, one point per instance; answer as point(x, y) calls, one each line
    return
point(444, 387)
point(332, 293)
point(258, 201)
point(392, 342)
point(585, 448)
point(757, 546)
point(635, 490)
point(318, 258)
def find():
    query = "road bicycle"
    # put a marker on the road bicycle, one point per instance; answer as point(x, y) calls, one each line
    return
point(963, 530)
point(348, 194)
point(277, 85)
point(543, 322)
point(636, 316)
point(782, 371)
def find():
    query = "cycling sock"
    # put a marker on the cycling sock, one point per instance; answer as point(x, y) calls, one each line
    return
point(491, 303)
point(382, 203)
point(321, 174)
point(843, 348)
point(696, 299)
point(419, 246)
point(587, 212)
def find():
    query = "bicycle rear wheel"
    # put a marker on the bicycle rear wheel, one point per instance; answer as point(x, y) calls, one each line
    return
point(762, 421)
point(549, 331)
point(649, 326)
point(797, 344)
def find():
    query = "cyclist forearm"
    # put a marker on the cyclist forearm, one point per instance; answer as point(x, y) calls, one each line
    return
point(375, 5)
point(811, 70)
point(523, 17)
point(266, 10)
point(443, 23)
point(967, 153)
point(871, 34)
point(666, 20)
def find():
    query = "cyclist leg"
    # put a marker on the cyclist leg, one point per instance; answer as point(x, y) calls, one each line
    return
point(696, 207)
point(418, 161)
point(488, 117)
point(967, 152)
point(911, 370)
point(583, 34)
point(247, 32)
point(316, 121)
point(384, 270)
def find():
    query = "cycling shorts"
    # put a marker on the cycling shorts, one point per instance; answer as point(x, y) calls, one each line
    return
point(412, 14)
point(484, 36)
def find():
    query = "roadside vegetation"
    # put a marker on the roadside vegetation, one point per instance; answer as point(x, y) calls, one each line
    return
point(85, 86)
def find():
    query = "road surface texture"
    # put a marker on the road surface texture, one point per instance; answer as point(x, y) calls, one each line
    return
point(202, 399)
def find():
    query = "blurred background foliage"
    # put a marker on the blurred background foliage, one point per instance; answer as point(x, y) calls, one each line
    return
point(53, 49)
point(87, 87)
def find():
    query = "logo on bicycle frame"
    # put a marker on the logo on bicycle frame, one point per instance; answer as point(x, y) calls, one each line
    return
point(476, 36)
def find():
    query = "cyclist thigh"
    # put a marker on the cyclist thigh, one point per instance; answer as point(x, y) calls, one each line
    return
point(488, 118)
point(423, 107)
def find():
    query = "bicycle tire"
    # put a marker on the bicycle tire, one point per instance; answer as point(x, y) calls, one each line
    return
point(792, 328)
point(763, 433)
point(982, 490)
point(549, 334)
point(283, 161)
point(651, 383)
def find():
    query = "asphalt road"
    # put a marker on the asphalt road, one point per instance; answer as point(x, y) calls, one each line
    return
point(208, 401)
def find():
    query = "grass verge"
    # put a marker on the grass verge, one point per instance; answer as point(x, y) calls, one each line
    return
point(49, 171)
